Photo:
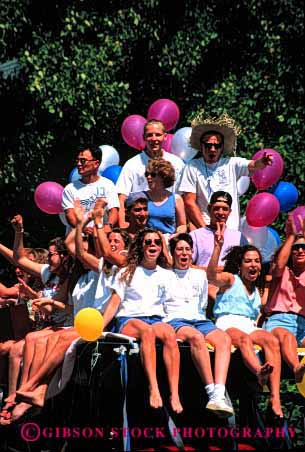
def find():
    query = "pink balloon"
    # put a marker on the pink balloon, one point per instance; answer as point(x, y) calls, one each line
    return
point(296, 213)
point(132, 131)
point(167, 143)
point(262, 209)
point(268, 176)
point(48, 196)
point(166, 111)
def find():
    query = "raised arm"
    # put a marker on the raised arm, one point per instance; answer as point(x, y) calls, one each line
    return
point(219, 279)
point(81, 253)
point(285, 250)
point(103, 242)
point(34, 268)
point(261, 163)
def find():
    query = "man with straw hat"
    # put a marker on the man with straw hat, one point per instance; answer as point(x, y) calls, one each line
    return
point(214, 171)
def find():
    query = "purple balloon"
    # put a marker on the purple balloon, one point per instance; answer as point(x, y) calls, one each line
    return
point(132, 131)
point(48, 196)
point(268, 176)
point(262, 209)
point(166, 111)
point(167, 143)
point(296, 213)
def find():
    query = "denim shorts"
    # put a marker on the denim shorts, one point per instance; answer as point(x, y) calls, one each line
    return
point(120, 322)
point(292, 322)
point(204, 326)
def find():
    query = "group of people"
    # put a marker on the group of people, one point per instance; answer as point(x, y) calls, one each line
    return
point(150, 253)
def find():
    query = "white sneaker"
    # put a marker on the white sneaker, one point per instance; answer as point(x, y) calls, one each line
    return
point(220, 406)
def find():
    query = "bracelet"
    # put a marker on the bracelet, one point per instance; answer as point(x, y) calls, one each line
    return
point(20, 232)
point(99, 226)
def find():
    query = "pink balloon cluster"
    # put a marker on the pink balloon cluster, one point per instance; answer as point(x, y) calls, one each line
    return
point(48, 196)
point(268, 176)
point(164, 110)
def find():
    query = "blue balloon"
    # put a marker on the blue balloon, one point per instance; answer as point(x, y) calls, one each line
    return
point(287, 195)
point(112, 172)
point(275, 235)
point(73, 176)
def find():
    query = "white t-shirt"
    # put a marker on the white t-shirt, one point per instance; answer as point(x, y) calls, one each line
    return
point(93, 289)
point(88, 194)
point(132, 178)
point(204, 179)
point(188, 295)
point(103, 291)
point(146, 294)
point(83, 295)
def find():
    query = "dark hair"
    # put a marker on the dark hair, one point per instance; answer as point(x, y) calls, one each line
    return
point(210, 133)
point(136, 254)
point(164, 169)
point(95, 150)
point(226, 197)
point(174, 240)
point(234, 258)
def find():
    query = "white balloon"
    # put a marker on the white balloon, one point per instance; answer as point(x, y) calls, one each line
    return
point(255, 236)
point(243, 185)
point(181, 144)
point(110, 157)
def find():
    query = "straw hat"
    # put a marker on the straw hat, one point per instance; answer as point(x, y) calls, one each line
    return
point(224, 125)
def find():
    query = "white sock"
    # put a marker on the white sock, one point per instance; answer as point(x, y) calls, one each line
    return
point(219, 390)
point(209, 389)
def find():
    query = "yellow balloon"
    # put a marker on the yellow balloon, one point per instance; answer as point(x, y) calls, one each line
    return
point(89, 324)
point(301, 385)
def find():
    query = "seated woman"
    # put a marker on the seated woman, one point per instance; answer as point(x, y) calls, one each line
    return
point(285, 308)
point(91, 290)
point(165, 209)
point(186, 312)
point(139, 291)
point(56, 279)
point(237, 307)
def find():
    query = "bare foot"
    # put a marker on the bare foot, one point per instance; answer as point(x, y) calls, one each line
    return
point(19, 410)
point(35, 397)
point(176, 404)
point(299, 372)
point(276, 408)
point(264, 373)
point(155, 399)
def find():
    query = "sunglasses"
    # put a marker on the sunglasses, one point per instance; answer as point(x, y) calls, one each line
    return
point(83, 161)
point(53, 254)
point(157, 242)
point(139, 209)
point(152, 174)
point(297, 246)
point(211, 145)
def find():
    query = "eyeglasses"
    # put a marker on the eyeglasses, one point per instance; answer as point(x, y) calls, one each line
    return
point(139, 209)
point(149, 242)
point(53, 254)
point(152, 174)
point(83, 161)
point(210, 145)
point(297, 246)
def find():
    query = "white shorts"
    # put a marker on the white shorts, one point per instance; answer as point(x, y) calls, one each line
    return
point(240, 322)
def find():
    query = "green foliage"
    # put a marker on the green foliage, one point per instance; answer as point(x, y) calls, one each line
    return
point(85, 66)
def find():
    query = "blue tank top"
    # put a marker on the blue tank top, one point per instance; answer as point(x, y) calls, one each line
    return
point(163, 217)
point(237, 301)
